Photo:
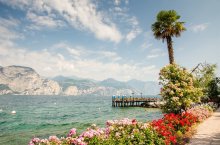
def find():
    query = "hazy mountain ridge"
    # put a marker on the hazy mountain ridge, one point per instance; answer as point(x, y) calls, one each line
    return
point(26, 81)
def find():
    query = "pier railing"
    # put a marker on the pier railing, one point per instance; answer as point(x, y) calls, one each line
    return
point(132, 101)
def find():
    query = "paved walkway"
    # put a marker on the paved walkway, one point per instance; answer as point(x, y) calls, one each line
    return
point(208, 132)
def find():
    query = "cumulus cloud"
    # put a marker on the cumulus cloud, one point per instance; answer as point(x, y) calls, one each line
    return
point(82, 15)
point(49, 62)
point(199, 27)
point(62, 58)
point(57, 64)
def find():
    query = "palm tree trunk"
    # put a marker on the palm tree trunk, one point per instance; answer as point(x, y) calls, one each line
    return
point(170, 49)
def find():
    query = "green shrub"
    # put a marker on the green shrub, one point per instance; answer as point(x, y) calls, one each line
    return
point(178, 90)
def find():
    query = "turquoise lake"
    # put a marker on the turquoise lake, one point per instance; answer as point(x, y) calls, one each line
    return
point(42, 116)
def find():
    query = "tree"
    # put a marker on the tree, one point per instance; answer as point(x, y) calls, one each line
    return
point(166, 27)
point(204, 73)
point(178, 91)
point(213, 89)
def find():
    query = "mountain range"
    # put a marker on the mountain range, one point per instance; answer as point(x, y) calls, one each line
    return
point(23, 80)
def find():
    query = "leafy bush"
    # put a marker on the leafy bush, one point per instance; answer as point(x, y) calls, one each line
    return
point(204, 73)
point(178, 90)
point(213, 90)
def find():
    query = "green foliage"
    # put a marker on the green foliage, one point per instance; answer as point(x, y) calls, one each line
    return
point(178, 90)
point(204, 75)
point(166, 27)
point(213, 89)
point(167, 24)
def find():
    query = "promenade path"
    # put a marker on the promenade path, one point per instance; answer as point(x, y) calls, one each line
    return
point(208, 132)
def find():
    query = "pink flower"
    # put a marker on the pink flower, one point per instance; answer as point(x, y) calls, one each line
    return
point(72, 132)
point(54, 139)
point(44, 141)
point(34, 140)
point(79, 141)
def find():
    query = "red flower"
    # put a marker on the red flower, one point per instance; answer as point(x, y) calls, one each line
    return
point(173, 139)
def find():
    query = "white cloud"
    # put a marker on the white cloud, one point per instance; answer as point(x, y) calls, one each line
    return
point(79, 52)
point(74, 51)
point(146, 45)
point(199, 27)
point(148, 38)
point(112, 56)
point(6, 34)
point(6, 26)
point(156, 52)
point(42, 21)
point(153, 56)
point(82, 15)
point(87, 68)
point(132, 34)
point(8, 22)
point(118, 2)
point(50, 62)
point(135, 31)
point(129, 22)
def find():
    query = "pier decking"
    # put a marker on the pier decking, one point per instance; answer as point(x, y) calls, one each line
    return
point(122, 101)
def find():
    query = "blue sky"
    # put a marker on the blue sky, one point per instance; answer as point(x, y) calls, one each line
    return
point(101, 39)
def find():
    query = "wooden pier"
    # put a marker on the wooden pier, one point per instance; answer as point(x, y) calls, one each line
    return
point(123, 101)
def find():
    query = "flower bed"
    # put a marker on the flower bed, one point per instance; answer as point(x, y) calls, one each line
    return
point(201, 112)
point(172, 126)
point(169, 130)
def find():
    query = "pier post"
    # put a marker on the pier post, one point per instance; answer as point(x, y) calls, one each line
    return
point(123, 101)
point(113, 101)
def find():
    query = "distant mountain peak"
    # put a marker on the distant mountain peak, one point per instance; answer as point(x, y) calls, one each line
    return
point(25, 80)
point(110, 80)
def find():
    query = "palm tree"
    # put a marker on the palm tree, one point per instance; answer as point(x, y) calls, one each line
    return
point(166, 27)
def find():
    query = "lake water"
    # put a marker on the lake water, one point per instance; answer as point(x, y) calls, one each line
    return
point(42, 116)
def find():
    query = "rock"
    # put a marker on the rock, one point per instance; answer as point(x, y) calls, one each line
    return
point(25, 81)
point(71, 90)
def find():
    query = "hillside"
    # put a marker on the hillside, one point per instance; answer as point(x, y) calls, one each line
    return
point(26, 81)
